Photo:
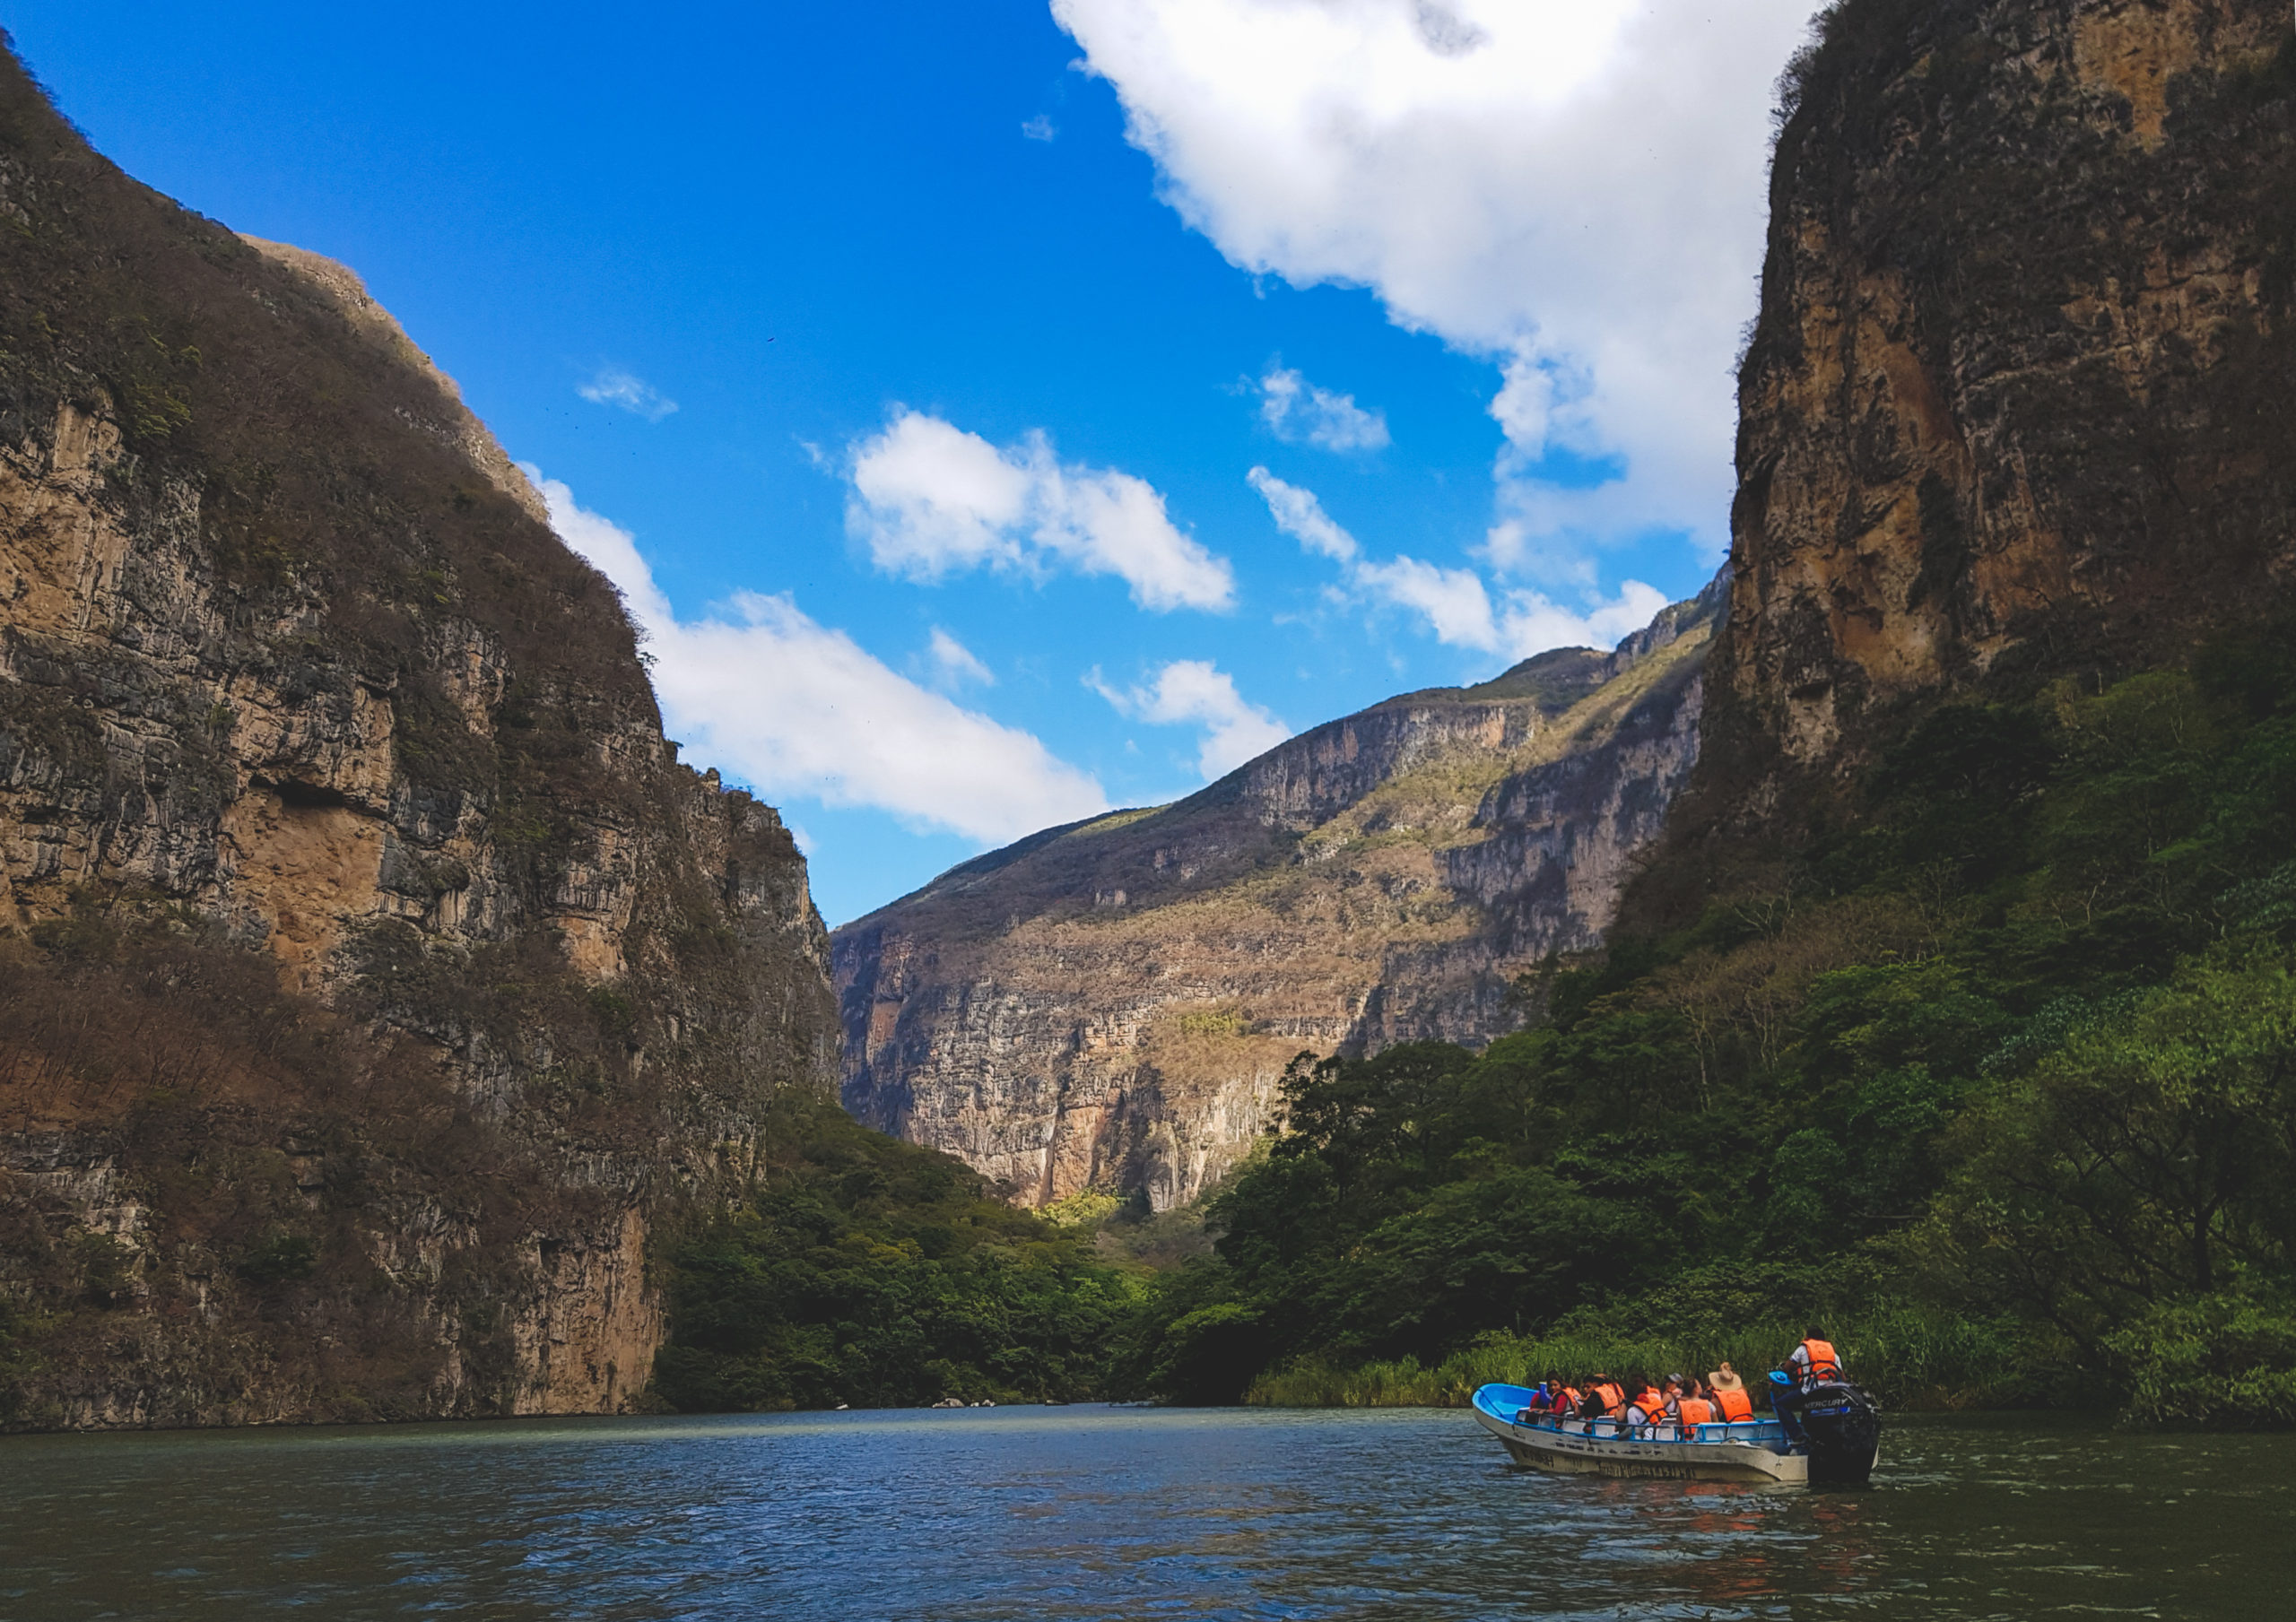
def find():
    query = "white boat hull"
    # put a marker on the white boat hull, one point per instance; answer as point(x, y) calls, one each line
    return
point(1574, 1448)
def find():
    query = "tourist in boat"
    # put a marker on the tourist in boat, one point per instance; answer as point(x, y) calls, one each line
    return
point(1563, 1400)
point(1648, 1410)
point(1671, 1393)
point(1604, 1400)
point(1694, 1409)
point(1725, 1379)
point(1550, 1396)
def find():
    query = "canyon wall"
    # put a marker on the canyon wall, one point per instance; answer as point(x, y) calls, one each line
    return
point(375, 985)
point(2017, 404)
point(1109, 1006)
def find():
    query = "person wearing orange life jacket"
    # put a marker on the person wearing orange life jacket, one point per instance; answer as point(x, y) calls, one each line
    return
point(1809, 1366)
point(1648, 1410)
point(1562, 1401)
point(1604, 1400)
point(1672, 1392)
point(1814, 1363)
point(1695, 1409)
point(1735, 1406)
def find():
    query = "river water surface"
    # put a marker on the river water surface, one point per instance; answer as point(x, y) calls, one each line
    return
point(1057, 1513)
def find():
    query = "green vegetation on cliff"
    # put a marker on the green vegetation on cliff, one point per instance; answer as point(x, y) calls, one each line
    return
point(1999, 1073)
point(857, 1269)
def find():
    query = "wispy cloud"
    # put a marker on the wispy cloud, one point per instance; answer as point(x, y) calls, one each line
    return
point(613, 386)
point(930, 499)
point(1194, 692)
point(1299, 515)
point(1300, 412)
point(954, 664)
point(1039, 128)
point(793, 706)
point(1455, 603)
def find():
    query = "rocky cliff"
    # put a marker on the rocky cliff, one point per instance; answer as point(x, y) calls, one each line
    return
point(2017, 402)
point(1109, 1005)
point(373, 980)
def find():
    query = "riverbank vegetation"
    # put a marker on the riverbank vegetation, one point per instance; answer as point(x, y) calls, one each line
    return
point(1997, 1076)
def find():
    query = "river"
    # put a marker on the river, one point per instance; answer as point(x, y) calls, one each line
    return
point(1049, 1514)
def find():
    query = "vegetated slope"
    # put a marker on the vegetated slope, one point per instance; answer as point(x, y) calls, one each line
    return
point(859, 1270)
point(373, 980)
point(1109, 1006)
point(1959, 1001)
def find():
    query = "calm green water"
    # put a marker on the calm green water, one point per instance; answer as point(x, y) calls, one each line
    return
point(1099, 1513)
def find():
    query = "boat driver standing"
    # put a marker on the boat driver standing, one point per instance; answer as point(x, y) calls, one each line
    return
point(1814, 1363)
point(1809, 1366)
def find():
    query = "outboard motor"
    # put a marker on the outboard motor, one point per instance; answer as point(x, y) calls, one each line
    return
point(1841, 1427)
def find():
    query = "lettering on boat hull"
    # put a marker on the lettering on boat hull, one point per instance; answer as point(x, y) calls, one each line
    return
point(1571, 1462)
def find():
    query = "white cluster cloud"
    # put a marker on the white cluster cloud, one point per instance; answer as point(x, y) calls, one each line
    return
point(1455, 602)
point(1573, 187)
point(1298, 412)
point(796, 708)
point(931, 499)
point(1195, 692)
point(613, 386)
point(1039, 128)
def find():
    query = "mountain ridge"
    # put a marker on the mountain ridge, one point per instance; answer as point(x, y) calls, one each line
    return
point(1446, 839)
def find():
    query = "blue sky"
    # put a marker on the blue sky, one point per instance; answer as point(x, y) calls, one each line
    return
point(1002, 411)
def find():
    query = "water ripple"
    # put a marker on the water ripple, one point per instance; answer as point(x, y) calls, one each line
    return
point(1078, 1514)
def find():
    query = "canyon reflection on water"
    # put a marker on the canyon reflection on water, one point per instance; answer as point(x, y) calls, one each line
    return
point(1055, 1513)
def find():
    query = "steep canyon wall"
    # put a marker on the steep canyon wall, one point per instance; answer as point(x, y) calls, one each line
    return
point(374, 981)
point(2017, 404)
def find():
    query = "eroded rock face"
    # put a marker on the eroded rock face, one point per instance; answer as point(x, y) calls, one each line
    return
point(2018, 399)
point(374, 981)
point(1111, 1005)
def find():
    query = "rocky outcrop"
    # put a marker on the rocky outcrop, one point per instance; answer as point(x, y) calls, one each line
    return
point(374, 981)
point(2017, 401)
point(1111, 1005)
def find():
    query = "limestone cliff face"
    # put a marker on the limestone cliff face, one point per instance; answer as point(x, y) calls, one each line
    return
point(373, 979)
point(2017, 402)
point(1111, 1005)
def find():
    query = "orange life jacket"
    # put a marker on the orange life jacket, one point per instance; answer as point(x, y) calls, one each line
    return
point(1695, 1410)
point(1823, 1364)
point(1651, 1405)
point(1567, 1399)
point(1613, 1399)
point(1735, 1406)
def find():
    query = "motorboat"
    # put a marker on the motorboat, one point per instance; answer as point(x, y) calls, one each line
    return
point(1831, 1437)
